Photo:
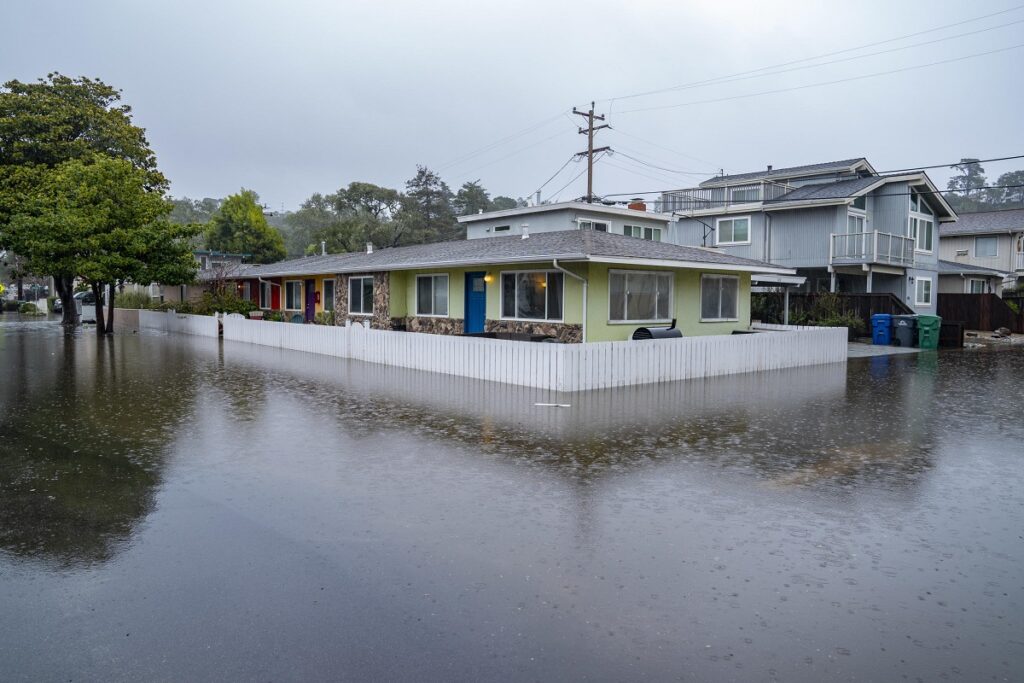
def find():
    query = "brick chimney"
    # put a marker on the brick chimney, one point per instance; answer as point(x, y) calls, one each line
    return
point(637, 204)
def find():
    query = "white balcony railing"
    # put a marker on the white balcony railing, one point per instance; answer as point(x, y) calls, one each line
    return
point(871, 247)
point(1018, 263)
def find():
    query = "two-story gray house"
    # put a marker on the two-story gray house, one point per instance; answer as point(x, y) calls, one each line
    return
point(987, 240)
point(632, 221)
point(840, 224)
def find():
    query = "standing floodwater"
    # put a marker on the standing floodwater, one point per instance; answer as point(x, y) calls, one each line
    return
point(176, 509)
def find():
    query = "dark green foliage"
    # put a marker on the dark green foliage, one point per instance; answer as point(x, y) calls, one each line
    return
point(969, 193)
point(324, 318)
point(824, 310)
point(11, 305)
point(239, 227)
point(133, 299)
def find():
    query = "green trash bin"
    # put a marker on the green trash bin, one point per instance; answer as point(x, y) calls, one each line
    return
point(928, 331)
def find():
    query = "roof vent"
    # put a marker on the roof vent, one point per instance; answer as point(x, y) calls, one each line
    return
point(369, 247)
point(526, 230)
point(769, 168)
point(323, 248)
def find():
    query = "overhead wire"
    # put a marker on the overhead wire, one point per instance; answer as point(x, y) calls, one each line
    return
point(576, 177)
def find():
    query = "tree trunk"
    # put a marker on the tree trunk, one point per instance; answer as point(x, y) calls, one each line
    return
point(65, 286)
point(110, 308)
point(21, 289)
point(97, 292)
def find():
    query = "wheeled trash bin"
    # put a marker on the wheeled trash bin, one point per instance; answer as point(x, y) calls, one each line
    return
point(928, 327)
point(904, 329)
point(881, 329)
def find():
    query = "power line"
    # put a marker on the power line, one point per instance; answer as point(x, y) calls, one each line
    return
point(821, 56)
point(972, 161)
point(509, 155)
point(824, 83)
point(576, 177)
point(555, 174)
point(823, 199)
point(589, 131)
point(499, 142)
point(616, 129)
point(660, 168)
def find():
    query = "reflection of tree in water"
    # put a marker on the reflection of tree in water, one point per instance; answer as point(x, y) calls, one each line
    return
point(81, 452)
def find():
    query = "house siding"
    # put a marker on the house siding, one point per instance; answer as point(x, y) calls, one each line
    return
point(565, 219)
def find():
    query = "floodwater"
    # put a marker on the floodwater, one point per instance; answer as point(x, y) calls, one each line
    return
point(173, 508)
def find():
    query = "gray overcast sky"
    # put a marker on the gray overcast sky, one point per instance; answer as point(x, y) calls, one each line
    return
point(291, 98)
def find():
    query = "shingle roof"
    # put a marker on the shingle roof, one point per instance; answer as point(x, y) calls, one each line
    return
point(837, 190)
point(568, 245)
point(953, 268)
point(1007, 220)
point(789, 172)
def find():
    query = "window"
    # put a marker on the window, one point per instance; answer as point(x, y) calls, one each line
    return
point(182, 293)
point(733, 230)
point(593, 225)
point(923, 289)
point(719, 297)
point(745, 194)
point(922, 230)
point(246, 290)
point(432, 295)
point(855, 223)
point(531, 296)
point(636, 296)
point(265, 297)
point(976, 286)
point(986, 246)
point(293, 295)
point(328, 295)
point(360, 295)
point(861, 203)
point(203, 263)
point(650, 234)
point(502, 228)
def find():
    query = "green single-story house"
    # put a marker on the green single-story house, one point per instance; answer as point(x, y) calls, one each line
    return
point(572, 285)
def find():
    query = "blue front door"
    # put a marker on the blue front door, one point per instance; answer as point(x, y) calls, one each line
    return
point(476, 302)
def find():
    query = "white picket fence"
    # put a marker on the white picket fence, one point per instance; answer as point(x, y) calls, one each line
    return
point(201, 325)
point(560, 367)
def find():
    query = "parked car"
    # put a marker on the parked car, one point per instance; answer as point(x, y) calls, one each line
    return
point(86, 298)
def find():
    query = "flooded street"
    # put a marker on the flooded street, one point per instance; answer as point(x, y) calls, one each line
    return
point(173, 508)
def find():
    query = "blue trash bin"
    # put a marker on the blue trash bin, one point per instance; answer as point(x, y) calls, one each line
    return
point(881, 329)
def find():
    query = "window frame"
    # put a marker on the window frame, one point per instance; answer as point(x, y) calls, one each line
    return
point(718, 276)
point(914, 220)
point(625, 302)
point(740, 189)
point(917, 291)
point(502, 228)
point(642, 230)
point(372, 292)
point(591, 222)
point(995, 240)
point(968, 281)
point(501, 295)
point(284, 306)
point(269, 297)
point(448, 298)
point(323, 293)
point(720, 220)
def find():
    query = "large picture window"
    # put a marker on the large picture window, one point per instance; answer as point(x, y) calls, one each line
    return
point(360, 295)
point(986, 246)
point(732, 230)
point(599, 226)
point(639, 296)
point(719, 297)
point(293, 295)
point(328, 300)
point(432, 295)
point(922, 224)
point(531, 295)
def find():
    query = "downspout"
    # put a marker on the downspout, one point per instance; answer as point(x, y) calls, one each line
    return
point(554, 262)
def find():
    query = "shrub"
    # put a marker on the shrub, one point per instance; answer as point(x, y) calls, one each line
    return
point(50, 300)
point(11, 305)
point(133, 299)
point(29, 308)
point(1013, 306)
point(324, 318)
point(274, 316)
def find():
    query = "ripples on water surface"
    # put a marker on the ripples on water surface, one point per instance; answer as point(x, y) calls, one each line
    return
point(176, 509)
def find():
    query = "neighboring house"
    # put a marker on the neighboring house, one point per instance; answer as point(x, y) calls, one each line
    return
point(839, 224)
point(210, 266)
point(633, 221)
point(573, 285)
point(989, 239)
point(963, 278)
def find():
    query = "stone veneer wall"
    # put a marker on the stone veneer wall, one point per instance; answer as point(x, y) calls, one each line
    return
point(381, 318)
point(433, 325)
point(570, 334)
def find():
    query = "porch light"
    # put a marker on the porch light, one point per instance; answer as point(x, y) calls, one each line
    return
point(488, 277)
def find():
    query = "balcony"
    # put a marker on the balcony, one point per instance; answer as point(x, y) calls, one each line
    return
point(858, 248)
point(1018, 261)
point(721, 198)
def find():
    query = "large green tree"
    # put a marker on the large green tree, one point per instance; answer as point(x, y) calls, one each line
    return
point(240, 227)
point(427, 208)
point(44, 125)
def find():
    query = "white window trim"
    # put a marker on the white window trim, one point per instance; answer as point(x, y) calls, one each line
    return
point(968, 281)
point(917, 291)
point(270, 296)
point(323, 293)
point(448, 298)
point(501, 295)
point(750, 230)
point(977, 255)
point(930, 217)
point(579, 225)
point(349, 285)
point(716, 276)
point(284, 303)
point(671, 296)
point(502, 228)
point(642, 228)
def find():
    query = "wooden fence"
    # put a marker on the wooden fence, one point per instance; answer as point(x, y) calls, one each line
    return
point(559, 367)
point(985, 312)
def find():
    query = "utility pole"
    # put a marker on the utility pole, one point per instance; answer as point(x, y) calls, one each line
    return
point(589, 131)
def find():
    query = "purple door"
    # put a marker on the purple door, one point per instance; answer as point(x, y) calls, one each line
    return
point(310, 300)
